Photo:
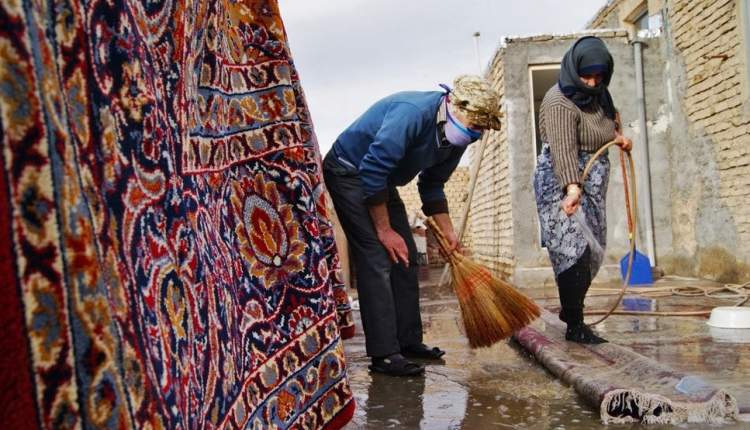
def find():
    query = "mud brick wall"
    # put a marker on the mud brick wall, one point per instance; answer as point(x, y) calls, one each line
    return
point(706, 79)
point(710, 44)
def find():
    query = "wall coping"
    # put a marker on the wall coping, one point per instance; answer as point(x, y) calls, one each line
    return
point(546, 37)
point(603, 32)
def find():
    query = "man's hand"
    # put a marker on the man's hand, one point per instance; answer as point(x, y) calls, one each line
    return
point(443, 221)
point(395, 245)
point(623, 142)
point(453, 243)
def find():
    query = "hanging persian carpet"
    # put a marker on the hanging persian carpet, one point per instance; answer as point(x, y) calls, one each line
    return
point(166, 260)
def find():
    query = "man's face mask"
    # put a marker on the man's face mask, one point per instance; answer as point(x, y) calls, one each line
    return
point(458, 134)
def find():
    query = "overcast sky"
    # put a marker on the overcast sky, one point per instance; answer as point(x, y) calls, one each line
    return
point(350, 53)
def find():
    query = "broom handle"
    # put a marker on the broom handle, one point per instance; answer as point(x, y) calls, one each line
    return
point(627, 195)
point(473, 176)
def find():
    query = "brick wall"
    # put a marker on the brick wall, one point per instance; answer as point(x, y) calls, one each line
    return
point(707, 83)
point(708, 41)
point(609, 15)
point(620, 14)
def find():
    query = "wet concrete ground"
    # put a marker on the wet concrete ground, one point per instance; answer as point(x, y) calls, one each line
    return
point(503, 387)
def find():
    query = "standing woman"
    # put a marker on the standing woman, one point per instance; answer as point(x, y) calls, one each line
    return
point(577, 117)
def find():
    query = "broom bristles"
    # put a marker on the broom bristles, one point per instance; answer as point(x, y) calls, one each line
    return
point(491, 309)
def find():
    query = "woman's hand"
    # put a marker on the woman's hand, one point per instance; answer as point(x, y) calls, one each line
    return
point(623, 142)
point(570, 203)
point(572, 199)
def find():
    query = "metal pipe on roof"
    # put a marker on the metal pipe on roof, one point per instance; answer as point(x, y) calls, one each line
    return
point(642, 153)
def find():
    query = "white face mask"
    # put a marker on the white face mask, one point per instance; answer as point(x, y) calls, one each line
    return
point(458, 134)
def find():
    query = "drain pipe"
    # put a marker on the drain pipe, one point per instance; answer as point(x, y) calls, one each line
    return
point(642, 151)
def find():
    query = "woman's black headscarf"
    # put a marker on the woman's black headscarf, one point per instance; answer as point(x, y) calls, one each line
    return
point(588, 55)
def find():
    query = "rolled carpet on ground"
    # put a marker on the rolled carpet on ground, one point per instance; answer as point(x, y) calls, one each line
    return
point(625, 386)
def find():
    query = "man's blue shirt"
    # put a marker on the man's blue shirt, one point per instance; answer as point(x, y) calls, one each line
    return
point(396, 139)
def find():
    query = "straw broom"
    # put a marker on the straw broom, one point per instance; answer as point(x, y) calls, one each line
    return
point(491, 308)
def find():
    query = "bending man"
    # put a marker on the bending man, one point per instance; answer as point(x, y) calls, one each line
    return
point(399, 137)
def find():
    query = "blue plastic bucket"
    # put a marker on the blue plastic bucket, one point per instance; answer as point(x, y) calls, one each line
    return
point(641, 273)
point(638, 304)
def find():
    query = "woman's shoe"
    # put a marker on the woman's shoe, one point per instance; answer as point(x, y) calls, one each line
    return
point(581, 333)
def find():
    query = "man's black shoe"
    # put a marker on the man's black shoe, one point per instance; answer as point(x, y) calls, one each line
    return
point(396, 365)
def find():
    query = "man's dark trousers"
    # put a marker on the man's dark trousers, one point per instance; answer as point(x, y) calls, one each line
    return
point(388, 292)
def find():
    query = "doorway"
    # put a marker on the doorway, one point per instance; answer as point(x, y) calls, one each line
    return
point(541, 79)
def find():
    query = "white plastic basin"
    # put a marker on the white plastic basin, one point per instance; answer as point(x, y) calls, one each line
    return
point(730, 317)
point(729, 335)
